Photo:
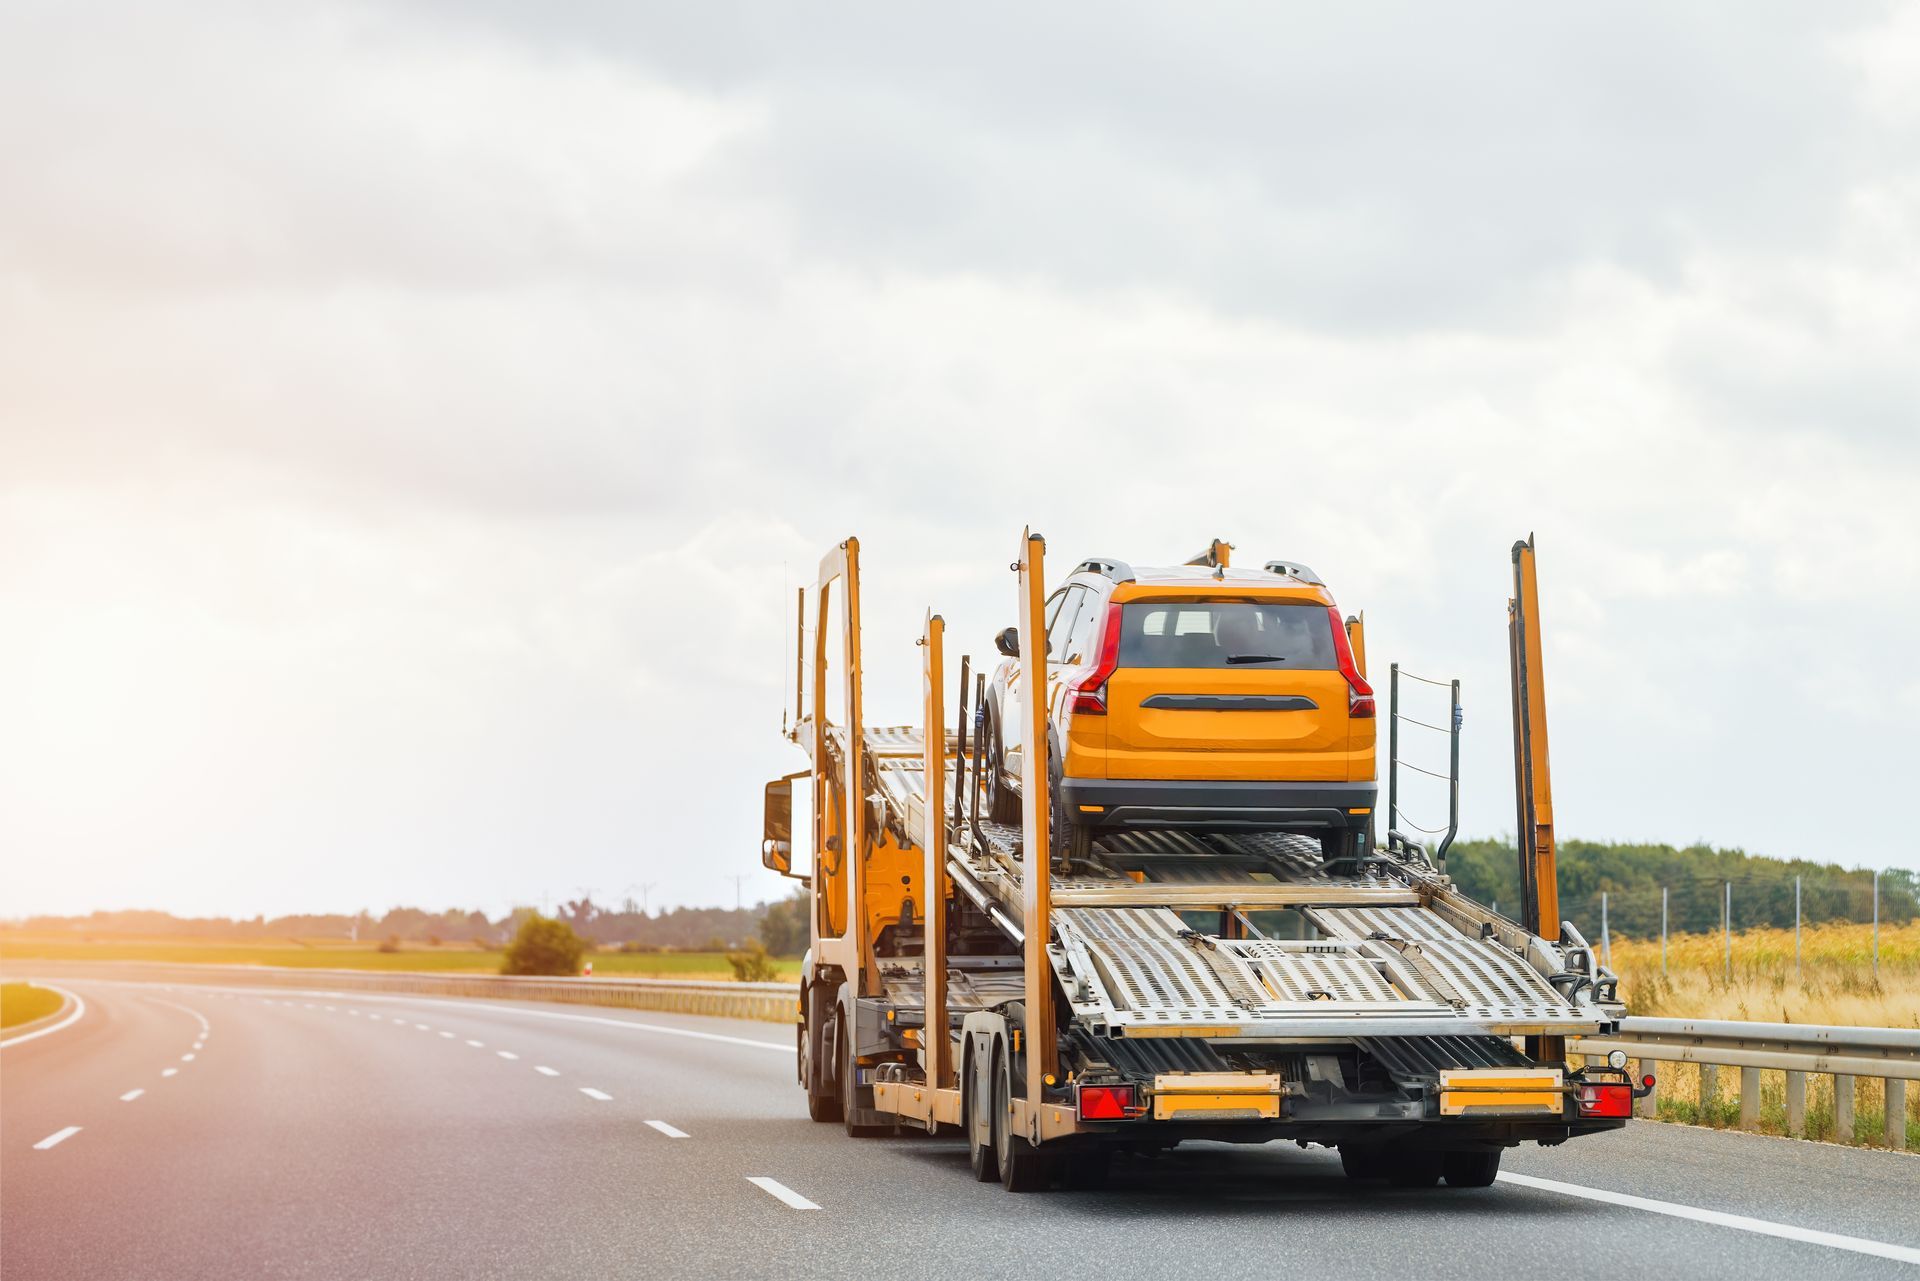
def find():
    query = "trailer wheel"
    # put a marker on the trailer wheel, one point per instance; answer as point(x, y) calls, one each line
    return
point(1471, 1169)
point(980, 1153)
point(1022, 1167)
point(1414, 1169)
point(1362, 1163)
point(822, 1104)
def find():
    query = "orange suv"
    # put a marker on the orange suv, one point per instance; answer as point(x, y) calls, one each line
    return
point(1196, 697)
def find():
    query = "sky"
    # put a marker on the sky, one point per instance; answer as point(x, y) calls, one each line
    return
point(415, 418)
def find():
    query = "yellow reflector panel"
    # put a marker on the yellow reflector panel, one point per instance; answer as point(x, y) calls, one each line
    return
point(1501, 1092)
point(1216, 1096)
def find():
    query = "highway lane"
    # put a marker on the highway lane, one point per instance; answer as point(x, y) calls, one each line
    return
point(325, 1136)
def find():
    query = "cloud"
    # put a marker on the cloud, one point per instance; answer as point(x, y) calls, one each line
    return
point(414, 421)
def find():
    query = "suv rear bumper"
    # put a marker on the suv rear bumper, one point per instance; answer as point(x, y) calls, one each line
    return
point(1209, 806)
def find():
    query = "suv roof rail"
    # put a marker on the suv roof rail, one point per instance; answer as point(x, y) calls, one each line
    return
point(1118, 570)
point(1294, 569)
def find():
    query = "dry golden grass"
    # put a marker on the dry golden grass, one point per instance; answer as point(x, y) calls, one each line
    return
point(1834, 982)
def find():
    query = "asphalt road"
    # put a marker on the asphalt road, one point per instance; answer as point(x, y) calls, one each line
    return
point(284, 1134)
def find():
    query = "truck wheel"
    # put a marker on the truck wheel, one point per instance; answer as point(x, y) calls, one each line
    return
point(1413, 1169)
point(1362, 1163)
point(822, 1104)
point(980, 1153)
point(1003, 806)
point(1471, 1169)
point(850, 1101)
point(1022, 1167)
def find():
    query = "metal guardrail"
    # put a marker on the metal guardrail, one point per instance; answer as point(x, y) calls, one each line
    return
point(769, 1002)
point(1797, 1049)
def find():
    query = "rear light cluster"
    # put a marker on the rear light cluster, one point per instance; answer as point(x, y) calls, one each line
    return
point(1359, 693)
point(1106, 1102)
point(1606, 1100)
point(1088, 691)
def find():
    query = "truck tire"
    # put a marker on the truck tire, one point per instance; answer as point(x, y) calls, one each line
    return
point(823, 1103)
point(1413, 1169)
point(1022, 1166)
point(1362, 1163)
point(1471, 1169)
point(980, 1153)
point(847, 1079)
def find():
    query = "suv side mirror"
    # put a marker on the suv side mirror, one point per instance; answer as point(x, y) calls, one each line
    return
point(776, 845)
point(1008, 642)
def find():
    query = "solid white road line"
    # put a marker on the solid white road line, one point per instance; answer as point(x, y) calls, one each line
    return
point(478, 1045)
point(780, 1191)
point(546, 1071)
point(170, 1072)
point(206, 1028)
point(131, 1095)
point(592, 1093)
point(506, 1054)
point(79, 1009)
point(57, 1137)
point(672, 1132)
point(1740, 1222)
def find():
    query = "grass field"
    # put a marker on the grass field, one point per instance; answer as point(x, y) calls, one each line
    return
point(23, 1003)
point(341, 955)
point(1834, 982)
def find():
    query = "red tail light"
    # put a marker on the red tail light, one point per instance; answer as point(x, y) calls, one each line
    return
point(1088, 691)
point(1104, 1102)
point(1359, 693)
point(1606, 1100)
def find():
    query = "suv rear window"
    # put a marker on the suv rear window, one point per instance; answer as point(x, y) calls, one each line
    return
point(1226, 633)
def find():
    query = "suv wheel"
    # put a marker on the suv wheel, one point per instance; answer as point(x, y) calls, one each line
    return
point(1003, 804)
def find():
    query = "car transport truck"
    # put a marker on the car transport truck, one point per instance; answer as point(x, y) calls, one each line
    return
point(1057, 1001)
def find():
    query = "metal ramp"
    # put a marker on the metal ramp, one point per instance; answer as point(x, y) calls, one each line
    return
point(1383, 960)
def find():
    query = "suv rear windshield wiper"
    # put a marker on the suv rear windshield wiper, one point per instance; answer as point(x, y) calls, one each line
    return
point(1256, 658)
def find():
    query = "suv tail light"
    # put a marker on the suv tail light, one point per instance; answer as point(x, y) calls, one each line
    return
point(1359, 693)
point(1104, 1102)
point(1606, 1100)
point(1089, 690)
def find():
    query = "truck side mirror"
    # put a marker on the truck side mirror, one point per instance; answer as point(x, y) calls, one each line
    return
point(776, 845)
point(1008, 642)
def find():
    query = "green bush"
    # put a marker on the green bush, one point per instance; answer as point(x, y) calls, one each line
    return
point(751, 964)
point(544, 946)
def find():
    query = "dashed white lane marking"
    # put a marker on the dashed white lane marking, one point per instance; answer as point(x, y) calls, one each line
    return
point(56, 1138)
point(355, 1013)
point(186, 1058)
point(448, 1035)
point(131, 1095)
point(780, 1191)
point(506, 1054)
point(423, 1027)
point(79, 1009)
point(199, 1045)
point(671, 1131)
point(546, 1071)
point(478, 1045)
point(1739, 1222)
point(329, 1009)
point(170, 1072)
point(592, 1093)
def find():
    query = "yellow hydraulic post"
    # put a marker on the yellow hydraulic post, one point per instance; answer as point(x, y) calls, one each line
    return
point(1036, 815)
point(1533, 783)
point(933, 840)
